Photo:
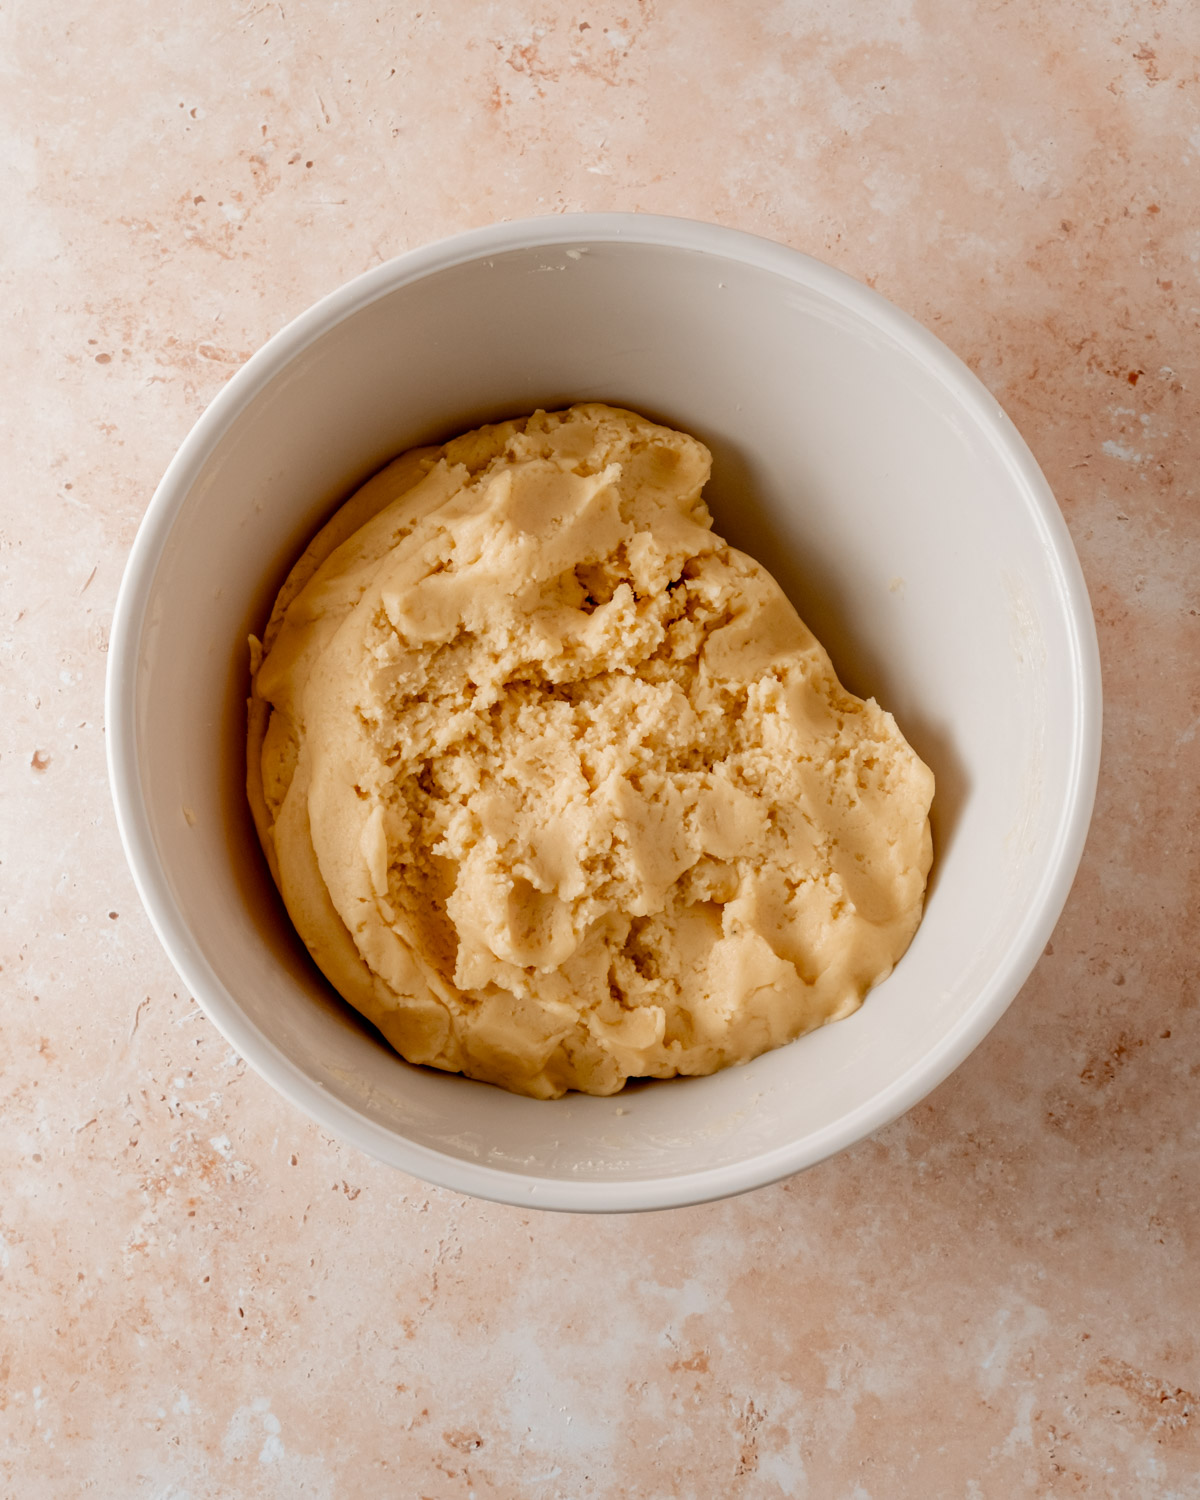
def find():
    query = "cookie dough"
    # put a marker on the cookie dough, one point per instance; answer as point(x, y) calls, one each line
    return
point(557, 787)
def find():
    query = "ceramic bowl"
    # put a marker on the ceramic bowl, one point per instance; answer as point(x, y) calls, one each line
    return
point(853, 454)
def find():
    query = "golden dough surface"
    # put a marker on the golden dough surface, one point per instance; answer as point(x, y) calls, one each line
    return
point(557, 787)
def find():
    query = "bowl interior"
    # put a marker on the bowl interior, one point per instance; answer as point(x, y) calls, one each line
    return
point(852, 456)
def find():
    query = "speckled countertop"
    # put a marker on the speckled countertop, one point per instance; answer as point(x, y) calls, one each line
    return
point(204, 1296)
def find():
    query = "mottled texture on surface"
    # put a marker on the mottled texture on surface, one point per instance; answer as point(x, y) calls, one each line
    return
point(201, 1294)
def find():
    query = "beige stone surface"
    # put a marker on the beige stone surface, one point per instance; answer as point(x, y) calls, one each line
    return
point(202, 1295)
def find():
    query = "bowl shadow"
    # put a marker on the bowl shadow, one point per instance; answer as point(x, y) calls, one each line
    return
point(741, 516)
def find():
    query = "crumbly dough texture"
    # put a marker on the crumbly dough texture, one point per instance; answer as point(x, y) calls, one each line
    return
point(557, 787)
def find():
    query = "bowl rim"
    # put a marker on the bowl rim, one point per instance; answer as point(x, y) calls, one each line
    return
point(1043, 906)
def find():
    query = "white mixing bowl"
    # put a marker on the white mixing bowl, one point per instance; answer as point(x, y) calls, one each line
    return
point(854, 456)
